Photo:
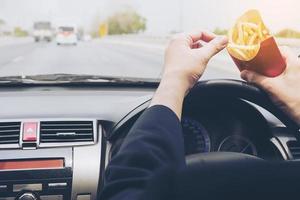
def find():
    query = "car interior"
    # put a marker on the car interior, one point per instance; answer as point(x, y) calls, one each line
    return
point(75, 76)
point(61, 139)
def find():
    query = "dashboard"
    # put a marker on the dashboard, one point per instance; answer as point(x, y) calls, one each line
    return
point(56, 141)
point(214, 126)
point(53, 139)
point(230, 126)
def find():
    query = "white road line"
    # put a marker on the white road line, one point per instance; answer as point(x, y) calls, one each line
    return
point(18, 59)
point(159, 47)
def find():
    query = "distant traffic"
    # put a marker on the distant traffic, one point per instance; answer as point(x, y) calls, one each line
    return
point(66, 34)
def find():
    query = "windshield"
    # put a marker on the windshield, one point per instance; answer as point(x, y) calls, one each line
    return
point(123, 38)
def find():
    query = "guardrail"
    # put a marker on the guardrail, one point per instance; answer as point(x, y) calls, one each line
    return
point(288, 42)
point(155, 39)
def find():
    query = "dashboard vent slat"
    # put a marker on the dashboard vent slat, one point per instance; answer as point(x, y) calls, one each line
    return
point(66, 131)
point(10, 132)
point(294, 147)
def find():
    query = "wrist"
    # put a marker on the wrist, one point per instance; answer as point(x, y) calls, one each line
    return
point(176, 81)
point(171, 92)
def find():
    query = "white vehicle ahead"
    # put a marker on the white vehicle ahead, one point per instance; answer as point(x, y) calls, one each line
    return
point(66, 35)
point(42, 30)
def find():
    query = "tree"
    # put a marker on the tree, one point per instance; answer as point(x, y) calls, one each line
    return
point(126, 22)
point(19, 32)
point(220, 31)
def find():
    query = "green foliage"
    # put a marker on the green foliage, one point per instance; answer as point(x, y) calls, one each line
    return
point(219, 31)
point(19, 32)
point(288, 33)
point(126, 22)
point(94, 34)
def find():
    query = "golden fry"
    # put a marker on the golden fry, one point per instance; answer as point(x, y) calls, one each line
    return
point(238, 53)
point(245, 37)
point(252, 39)
point(243, 47)
point(265, 32)
point(250, 25)
point(240, 34)
point(259, 31)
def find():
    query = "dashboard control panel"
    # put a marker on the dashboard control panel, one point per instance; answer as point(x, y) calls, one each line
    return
point(50, 159)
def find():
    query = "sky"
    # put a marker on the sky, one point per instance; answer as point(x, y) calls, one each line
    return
point(163, 16)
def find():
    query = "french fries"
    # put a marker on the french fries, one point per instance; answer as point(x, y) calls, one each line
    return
point(246, 36)
point(251, 46)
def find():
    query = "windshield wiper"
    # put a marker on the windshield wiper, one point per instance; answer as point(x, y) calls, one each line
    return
point(53, 79)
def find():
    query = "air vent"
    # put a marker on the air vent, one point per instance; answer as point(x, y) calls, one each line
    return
point(294, 147)
point(66, 131)
point(10, 132)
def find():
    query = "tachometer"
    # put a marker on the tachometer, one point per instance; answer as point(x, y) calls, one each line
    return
point(196, 138)
point(239, 144)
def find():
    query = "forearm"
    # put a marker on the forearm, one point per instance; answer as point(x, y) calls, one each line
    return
point(156, 139)
point(154, 142)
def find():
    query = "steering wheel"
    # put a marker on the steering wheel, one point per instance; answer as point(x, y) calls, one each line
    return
point(227, 88)
point(224, 165)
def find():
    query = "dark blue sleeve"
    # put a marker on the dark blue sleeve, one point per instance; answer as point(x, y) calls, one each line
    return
point(154, 142)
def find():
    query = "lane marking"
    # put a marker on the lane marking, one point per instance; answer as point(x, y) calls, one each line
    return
point(18, 59)
point(159, 47)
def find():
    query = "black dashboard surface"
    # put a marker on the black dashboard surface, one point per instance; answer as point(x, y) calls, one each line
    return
point(109, 104)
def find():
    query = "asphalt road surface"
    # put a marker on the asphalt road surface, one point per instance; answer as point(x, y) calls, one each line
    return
point(100, 57)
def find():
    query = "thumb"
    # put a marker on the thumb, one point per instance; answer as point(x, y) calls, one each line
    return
point(254, 77)
point(214, 46)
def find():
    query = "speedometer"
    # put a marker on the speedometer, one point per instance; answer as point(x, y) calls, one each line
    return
point(196, 138)
point(239, 144)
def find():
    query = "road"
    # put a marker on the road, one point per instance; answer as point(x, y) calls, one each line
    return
point(100, 57)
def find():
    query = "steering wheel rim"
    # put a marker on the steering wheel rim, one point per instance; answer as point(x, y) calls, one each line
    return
point(215, 158)
point(242, 90)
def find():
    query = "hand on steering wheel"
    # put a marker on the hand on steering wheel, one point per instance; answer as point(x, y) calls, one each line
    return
point(284, 89)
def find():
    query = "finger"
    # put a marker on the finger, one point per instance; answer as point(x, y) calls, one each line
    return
point(203, 35)
point(197, 45)
point(181, 39)
point(214, 46)
point(254, 77)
